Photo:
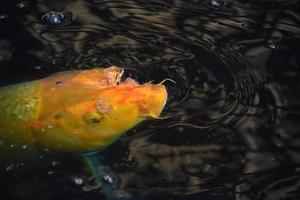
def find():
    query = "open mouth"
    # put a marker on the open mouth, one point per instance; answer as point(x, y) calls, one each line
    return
point(124, 77)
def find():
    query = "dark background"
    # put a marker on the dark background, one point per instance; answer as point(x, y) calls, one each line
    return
point(234, 126)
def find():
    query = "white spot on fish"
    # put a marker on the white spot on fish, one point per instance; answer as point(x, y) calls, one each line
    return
point(102, 106)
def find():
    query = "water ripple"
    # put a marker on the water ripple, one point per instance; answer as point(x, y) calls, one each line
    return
point(232, 115)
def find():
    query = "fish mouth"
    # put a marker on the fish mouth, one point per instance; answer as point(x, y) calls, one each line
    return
point(123, 77)
point(116, 75)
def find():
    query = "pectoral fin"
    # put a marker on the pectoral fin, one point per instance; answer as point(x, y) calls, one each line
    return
point(104, 177)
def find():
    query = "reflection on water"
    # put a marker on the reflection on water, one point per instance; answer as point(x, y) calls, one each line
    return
point(233, 131)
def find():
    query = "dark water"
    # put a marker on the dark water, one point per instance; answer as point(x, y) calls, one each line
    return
point(234, 131)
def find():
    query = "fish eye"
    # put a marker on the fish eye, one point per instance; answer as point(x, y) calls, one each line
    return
point(93, 118)
point(95, 121)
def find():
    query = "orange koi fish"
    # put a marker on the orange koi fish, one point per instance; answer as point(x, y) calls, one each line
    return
point(75, 111)
point(78, 111)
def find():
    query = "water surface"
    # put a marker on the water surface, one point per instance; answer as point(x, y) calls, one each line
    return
point(233, 131)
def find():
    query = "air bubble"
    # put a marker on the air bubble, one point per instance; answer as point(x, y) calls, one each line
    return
point(78, 181)
point(53, 18)
point(2, 17)
point(22, 5)
point(5, 55)
point(108, 179)
point(215, 3)
point(245, 25)
point(57, 18)
point(38, 67)
point(278, 144)
point(10, 167)
point(272, 45)
point(180, 129)
point(50, 172)
point(55, 163)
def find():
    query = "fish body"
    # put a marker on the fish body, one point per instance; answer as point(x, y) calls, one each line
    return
point(76, 111)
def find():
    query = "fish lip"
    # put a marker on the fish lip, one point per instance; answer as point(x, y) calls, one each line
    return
point(113, 75)
point(118, 78)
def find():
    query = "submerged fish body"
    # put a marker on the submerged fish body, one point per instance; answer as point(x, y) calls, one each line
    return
point(75, 111)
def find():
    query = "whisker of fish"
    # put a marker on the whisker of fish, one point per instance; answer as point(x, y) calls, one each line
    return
point(166, 79)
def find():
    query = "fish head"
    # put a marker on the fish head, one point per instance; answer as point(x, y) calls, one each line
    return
point(87, 117)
